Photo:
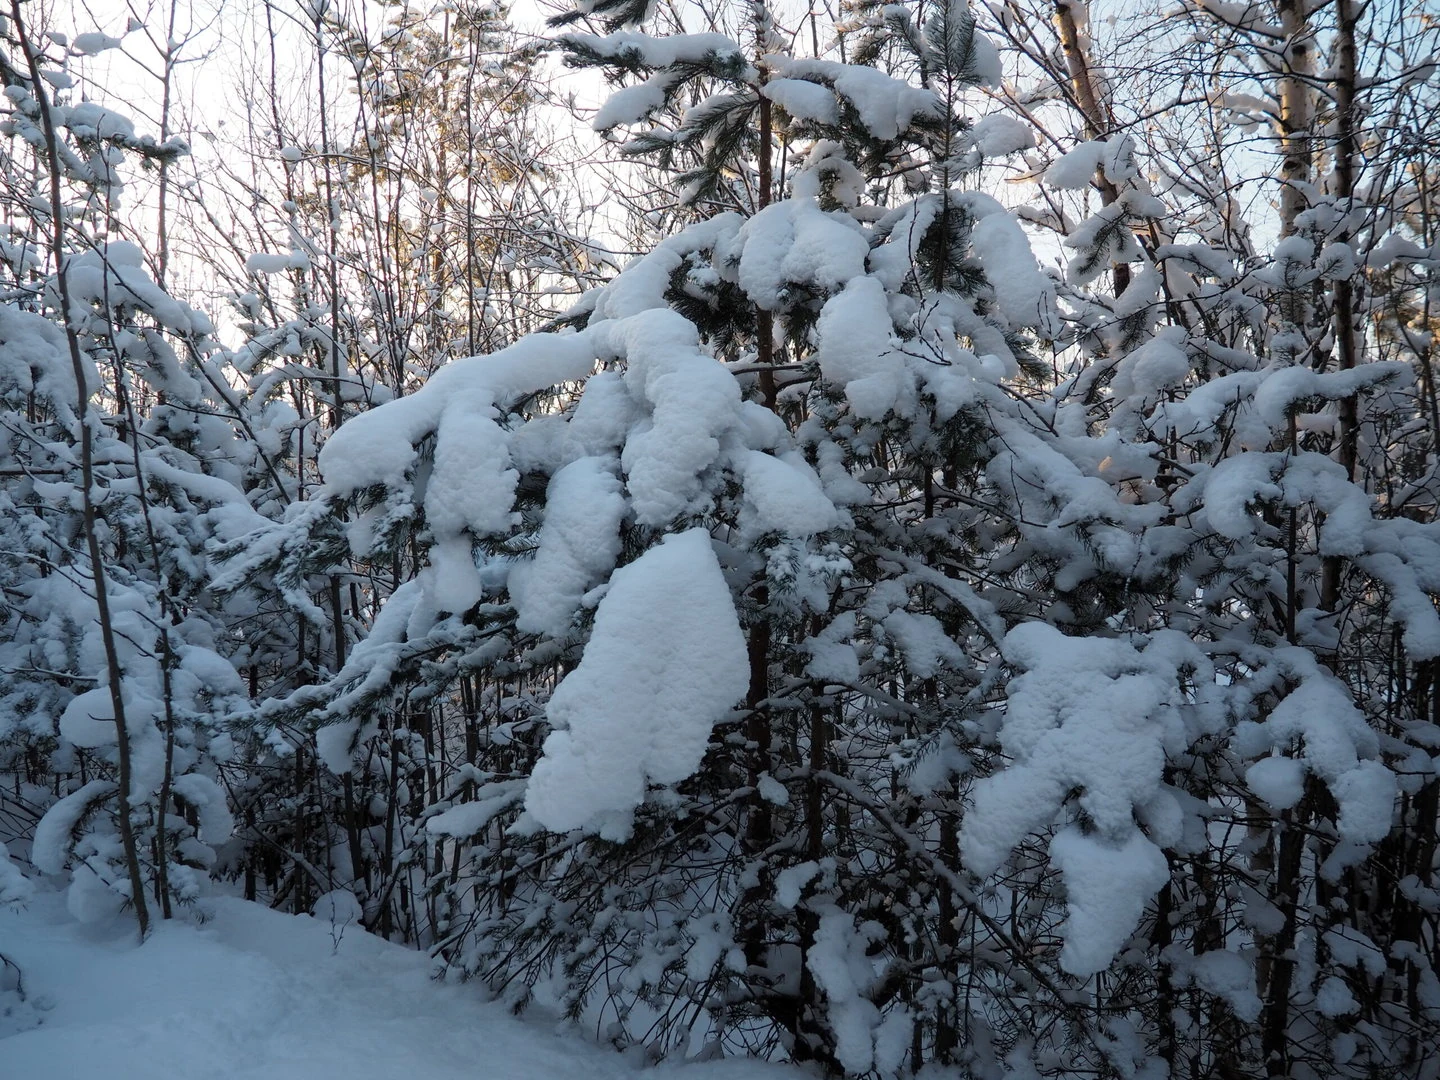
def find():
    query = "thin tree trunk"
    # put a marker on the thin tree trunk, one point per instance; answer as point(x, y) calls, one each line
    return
point(113, 671)
point(1345, 300)
point(1295, 113)
point(1097, 120)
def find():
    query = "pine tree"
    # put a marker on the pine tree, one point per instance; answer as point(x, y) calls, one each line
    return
point(821, 407)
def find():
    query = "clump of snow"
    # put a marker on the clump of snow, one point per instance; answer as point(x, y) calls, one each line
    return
point(1075, 169)
point(803, 100)
point(94, 43)
point(693, 401)
point(1157, 365)
point(205, 797)
point(468, 819)
point(1022, 291)
point(953, 30)
point(339, 908)
point(603, 417)
point(112, 273)
point(885, 105)
point(791, 881)
point(1230, 977)
point(796, 241)
point(264, 263)
point(1099, 240)
point(379, 446)
point(1336, 261)
point(1334, 998)
point(784, 495)
point(827, 170)
point(997, 135)
point(1087, 712)
point(1337, 746)
point(471, 486)
point(631, 104)
point(55, 834)
point(1106, 890)
point(1278, 781)
point(665, 663)
point(89, 719)
point(832, 654)
point(579, 543)
point(1098, 716)
point(857, 349)
point(923, 642)
point(1366, 794)
point(843, 971)
point(15, 887)
point(634, 47)
point(91, 121)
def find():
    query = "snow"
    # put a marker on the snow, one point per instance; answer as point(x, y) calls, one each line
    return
point(207, 799)
point(1157, 365)
point(832, 656)
point(378, 447)
point(997, 135)
point(791, 881)
point(1101, 237)
point(112, 274)
point(1337, 746)
point(472, 485)
point(803, 100)
point(579, 544)
point(796, 241)
point(1229, 976)
point(1233, 486)
point(602, 417)
point(265, 263)
point(772, 791)
point(50, 849)
point(665, 663)
point(1333, 998)
point(91, 121)
point(93, 44)
point(886, 106)
point(468, 819)
point(842, 971)
point(1097, 716)
point(631, 104)
point(857, 351)
point(339, 908)
point(784, 495)
point(1023, 292)
point(984, 58)
point(15, 887)
point(253, 994)
point(1366, 794)
point(633, 47)
point(89, 719)
point(827, 169)
point(692, 401)
point(923, 642)
point(1075, 169)
point(1106, 889)
point(1278, 781)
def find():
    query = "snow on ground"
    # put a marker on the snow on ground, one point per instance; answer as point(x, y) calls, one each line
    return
point(256, 994)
